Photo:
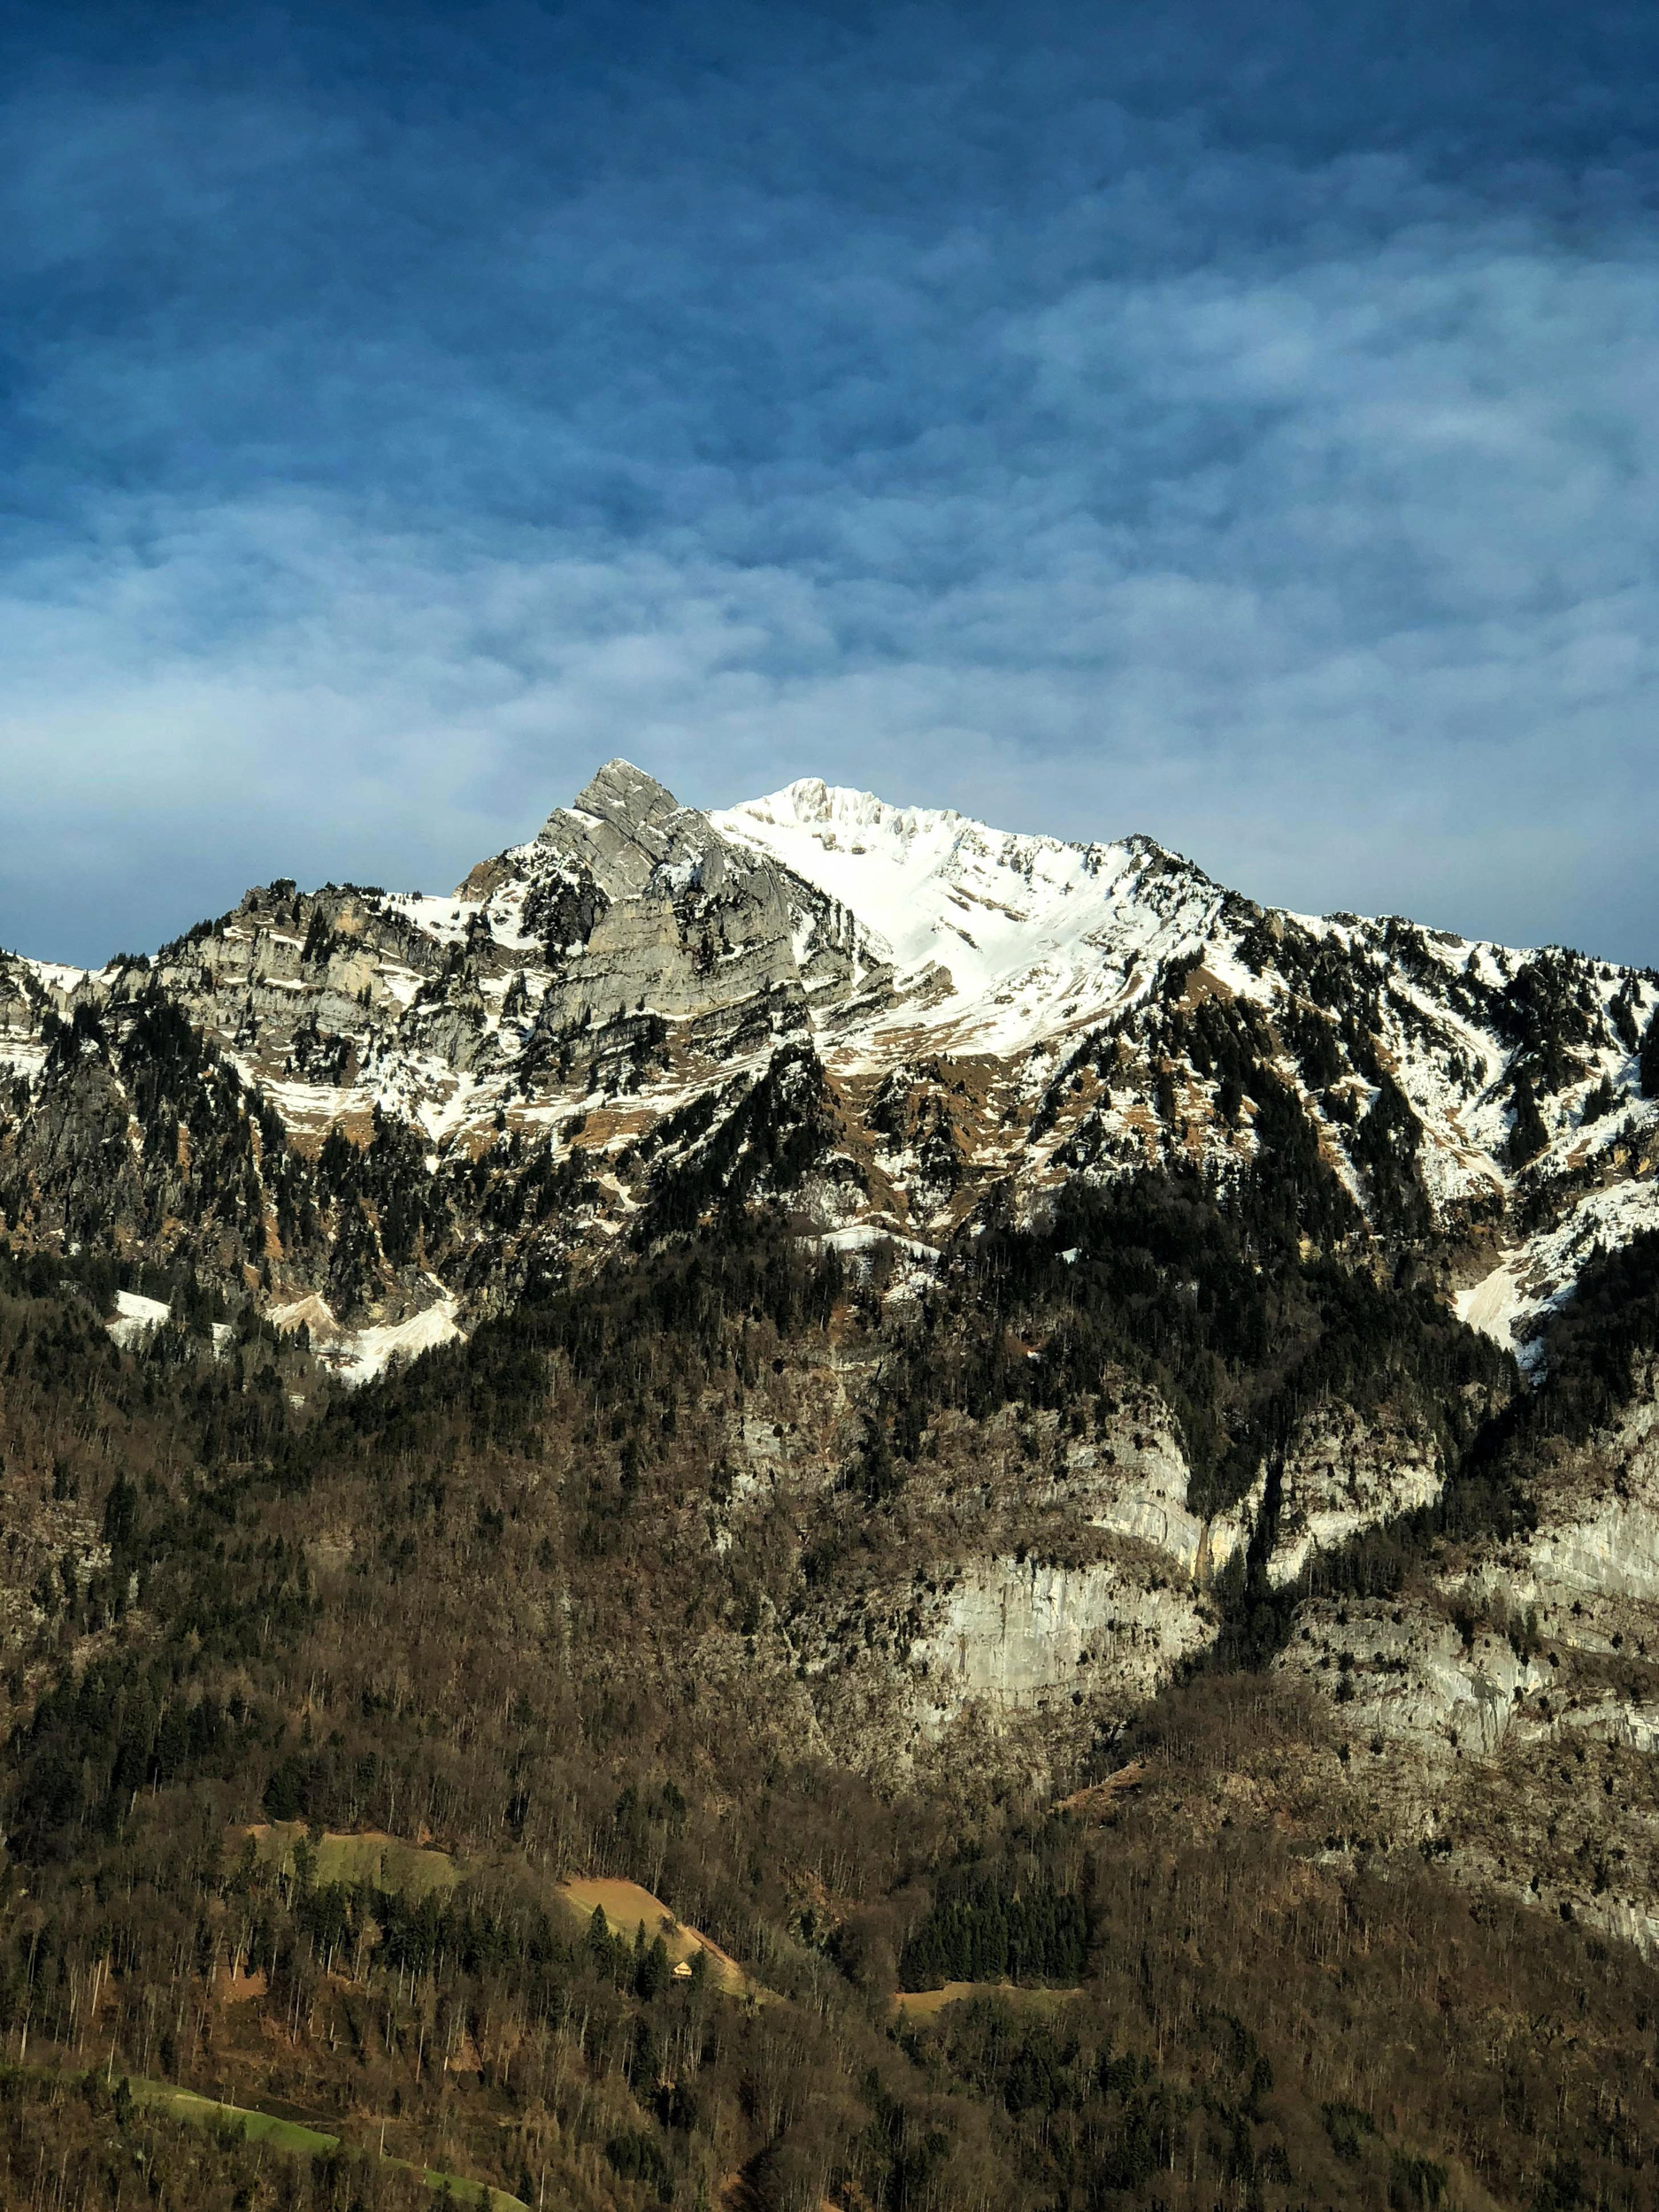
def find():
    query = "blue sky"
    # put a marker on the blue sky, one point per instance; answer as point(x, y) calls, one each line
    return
point(1237, 425)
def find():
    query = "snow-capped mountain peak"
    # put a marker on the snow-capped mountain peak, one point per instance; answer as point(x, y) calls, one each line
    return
point(940, 1006)
point(1033, 932)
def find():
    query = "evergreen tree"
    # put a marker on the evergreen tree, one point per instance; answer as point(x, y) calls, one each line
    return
point(1600, 1100)
point(1528, 1136)
point(1648, 1063)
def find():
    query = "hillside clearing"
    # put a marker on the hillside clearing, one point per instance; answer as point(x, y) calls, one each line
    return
point(172, 2102)
point(627, 1907)
point(386, 1863)
point(925, 2004)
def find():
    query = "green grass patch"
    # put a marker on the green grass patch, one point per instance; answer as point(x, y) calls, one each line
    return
point(466, 2191)
point(188, 2105)
point(926, 2004)
point(385, 1862)
point(259, 2127)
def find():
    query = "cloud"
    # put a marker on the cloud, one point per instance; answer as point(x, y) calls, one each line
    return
point(1006, 414)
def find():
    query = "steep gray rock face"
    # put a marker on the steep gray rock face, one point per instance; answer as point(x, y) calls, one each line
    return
point(690, 929)
point(1021, 1591)
point(617, 826)
point(1596, 1544)
point(1506, 1720)
point(1342, 1474)
point(654, 909)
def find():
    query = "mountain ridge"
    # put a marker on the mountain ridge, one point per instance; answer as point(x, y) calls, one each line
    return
point(636, 956)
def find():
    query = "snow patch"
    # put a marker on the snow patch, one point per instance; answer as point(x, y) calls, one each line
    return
point(136, 1318)
point(56, 976)
point(1511, 1304)
point(1019, 926)
point(361, 1354)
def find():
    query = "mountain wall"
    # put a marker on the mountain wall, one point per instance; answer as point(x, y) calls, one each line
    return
point(1187, 1246)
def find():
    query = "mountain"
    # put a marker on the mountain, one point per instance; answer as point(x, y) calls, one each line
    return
point(889, 1381)
point(513, 1073)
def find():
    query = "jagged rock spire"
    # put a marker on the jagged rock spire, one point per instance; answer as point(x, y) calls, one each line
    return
point(626, 796)
point(619, 827)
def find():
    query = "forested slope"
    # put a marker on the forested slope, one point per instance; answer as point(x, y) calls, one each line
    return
point(526, 1604)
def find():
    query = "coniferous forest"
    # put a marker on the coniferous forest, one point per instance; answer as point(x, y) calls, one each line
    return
point(316, 1696)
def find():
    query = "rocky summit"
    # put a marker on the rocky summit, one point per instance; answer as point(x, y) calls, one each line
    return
point(825, 1304)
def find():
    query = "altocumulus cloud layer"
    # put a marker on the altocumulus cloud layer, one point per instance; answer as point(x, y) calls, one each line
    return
point(1240, 432)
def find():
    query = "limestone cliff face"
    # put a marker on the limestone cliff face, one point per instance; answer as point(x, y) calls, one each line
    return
point(977, 1656)
point(1017, 1635)
point(1343, 1474)
point(1598, 1536)
point(1024, 1588)
point(677, 919)
point(1031, 1588)
point(1510, 1722)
